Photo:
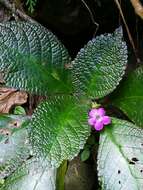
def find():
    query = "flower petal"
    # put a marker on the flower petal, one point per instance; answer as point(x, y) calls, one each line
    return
point(91, 121)
point(101, 112)
point(98, 125)
point(106, 120)
point(93, 112)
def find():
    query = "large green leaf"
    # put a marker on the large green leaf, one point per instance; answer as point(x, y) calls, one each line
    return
point(100, 65)
point(32, 175)
point(14, 147)
point(32, 58)
point(129, 96)
point(120, 157)
point(59, 129)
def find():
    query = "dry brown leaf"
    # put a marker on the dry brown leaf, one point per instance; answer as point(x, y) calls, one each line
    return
point(10, 97)
point(138, 7)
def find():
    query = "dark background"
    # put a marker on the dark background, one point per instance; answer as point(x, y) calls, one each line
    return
point(71, 22)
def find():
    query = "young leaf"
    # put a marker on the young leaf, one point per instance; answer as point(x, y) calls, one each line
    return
point(120, 156)
point(32, 175)
point(19, 110)
point(100, 65)
point(129, 96)
point(14, 147)
point(59, 129)
point(31, 5)
point(33, 59)
point(85, 154)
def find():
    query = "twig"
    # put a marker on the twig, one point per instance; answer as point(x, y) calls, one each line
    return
point(91, 16)
point(128, 32)
point(11, 7)
point(120, 14)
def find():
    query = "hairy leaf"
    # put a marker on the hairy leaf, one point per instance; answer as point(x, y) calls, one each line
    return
point(120, 157)
point(129, 96)
point(59, 129)
point(32, 175)
point(14, 147)
point(100, 65)
point(32, 58)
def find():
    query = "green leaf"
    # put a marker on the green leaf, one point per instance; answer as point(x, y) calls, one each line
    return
point(120, 156)
point(100, 65)
point(19, 110)
point(59, 129)
point(129, 96)
point(33, 59)
point(32, 175)
point(85, 154)
point(14, 147)
point(31, 5)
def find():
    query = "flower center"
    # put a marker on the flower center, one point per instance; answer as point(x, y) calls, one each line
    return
point(98, 117)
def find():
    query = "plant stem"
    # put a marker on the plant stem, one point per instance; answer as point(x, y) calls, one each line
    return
point(128, 31)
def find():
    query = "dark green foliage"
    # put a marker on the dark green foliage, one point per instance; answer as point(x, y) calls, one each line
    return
point(31, 5)
point(32, 59)
point(100, 65)
point(59, 129)
point(129, 96)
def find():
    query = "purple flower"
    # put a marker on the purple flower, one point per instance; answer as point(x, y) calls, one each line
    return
point(98, 119)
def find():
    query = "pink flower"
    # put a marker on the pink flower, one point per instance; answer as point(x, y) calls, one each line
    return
point(98, 119)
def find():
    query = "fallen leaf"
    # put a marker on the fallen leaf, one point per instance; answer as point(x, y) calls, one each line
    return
point(10, 97)
point(138, 7)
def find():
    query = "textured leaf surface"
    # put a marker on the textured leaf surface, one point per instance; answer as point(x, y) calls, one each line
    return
point(120, 157)
point(59, 129)
point(129, 96)
point(32, 58)
point(100, 65)
point(31, 176)
point(14, 148)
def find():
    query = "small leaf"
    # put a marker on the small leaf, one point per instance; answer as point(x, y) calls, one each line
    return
point(59, 129)
point(31, 5)
point(32, 175)
point(120, 156)
point(129, 96)
point(19, 110)
point(29, 55)
point(100, 65)
point(85, 154)
point(14, 147)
